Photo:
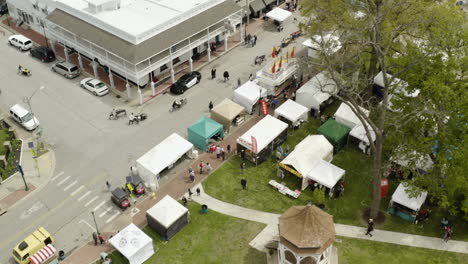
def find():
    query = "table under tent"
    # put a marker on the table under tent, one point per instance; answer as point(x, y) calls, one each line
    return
point(133, 244)
point(403, 205)
point(167, 217)
point(203, 131)
point(317, 93)
point(336, 133)
point(163, 156)
point(310, 160)
point(292, 113)
point(398, 90)
point(267, 135)
point(330, 42)
point(248, 95)
point(228, 113)
point(345, 115)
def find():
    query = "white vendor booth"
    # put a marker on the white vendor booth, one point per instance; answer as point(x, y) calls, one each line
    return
point(291, 111)
point(419, 161)
point(359, 133)
point(324, 173)
point(279, 14)
point(162, 156)
point(248, 95)
point(331, 43)
point(269, 133)
point(403, 205)
point(315, 93)
point(399, 90)
point(276, 82)
point(167, 217)
point(344, 115)
point(303, 158)
point(134, 244)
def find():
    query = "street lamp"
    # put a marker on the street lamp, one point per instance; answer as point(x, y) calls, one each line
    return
point(94, 218)
point(28, 101)
point(20, 170)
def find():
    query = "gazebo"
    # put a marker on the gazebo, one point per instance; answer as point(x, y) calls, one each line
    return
point(335, 132)
point(306, 236)
point(205, 128)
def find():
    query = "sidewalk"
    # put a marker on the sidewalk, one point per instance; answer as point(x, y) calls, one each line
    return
point(37, 171)
point(271, 233)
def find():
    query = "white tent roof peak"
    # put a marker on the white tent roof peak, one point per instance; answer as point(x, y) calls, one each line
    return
point(265, 131)
point(400, 196)
point(344, 115)
point(133, 243)
point(398, 85)
point(292, 111)
point(329, 41)
point(325, 173)
point(248, 94)
point(167, 211)
point(279, 14)
point(316, 91)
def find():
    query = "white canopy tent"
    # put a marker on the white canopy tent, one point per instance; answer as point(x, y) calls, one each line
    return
point(167, 216)
point(248, 95)
point(400, 196)
point(133, 243)
point(265, 131)
point(325, 173)
point(279, 14)
point(423, 162)
point(398, 85)
point(162, 156)
point(316, 91)
point(292, 111)
point(359, 132)
point(344, 115)
point(330, 42)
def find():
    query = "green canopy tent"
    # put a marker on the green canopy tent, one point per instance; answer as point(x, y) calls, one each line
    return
point(200, 132)
point(335, 132)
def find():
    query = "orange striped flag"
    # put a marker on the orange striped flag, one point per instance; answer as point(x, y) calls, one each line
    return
point(280, 63)
point(273, 68)
point(292, 53)
point(273, 52)
point(287, 57)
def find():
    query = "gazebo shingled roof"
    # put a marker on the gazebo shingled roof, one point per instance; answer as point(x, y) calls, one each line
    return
point(307, 228)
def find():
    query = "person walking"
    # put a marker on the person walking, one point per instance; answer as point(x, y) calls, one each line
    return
point(226, 76)
point(255, 40)
point(95, 238)
point(238, 82)
point(242, 167)
point(184, 201)
point(109, 186)
point(370, 227)
point(208, 167)
point(200, 166)
point(131, 119)
point(190, 194)
point(198, 191)
point(228, 149)
point(101, 238)
point(223, 153)
point(218, 152)
point(210, 106)
point(293, 96)
point(448, 233)
point(274, 102)
point(243, 183)
point(213, 74)
point(251, 77)
point(242, 154)
point(192, 176)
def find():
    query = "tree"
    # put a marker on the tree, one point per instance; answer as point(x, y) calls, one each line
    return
point(383, 34)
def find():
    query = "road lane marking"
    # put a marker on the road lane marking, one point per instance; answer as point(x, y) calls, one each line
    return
point(84, 222)
point(99, 206)
point(112, 217)
point(84, 195)
point(58, 175)
point(64, 180)
point(71, 185)
point(77, 190)
point(90, 201)
point(106, 211)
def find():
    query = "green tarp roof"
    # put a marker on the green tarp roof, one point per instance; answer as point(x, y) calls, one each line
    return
point(335, 132)
point(206, 127)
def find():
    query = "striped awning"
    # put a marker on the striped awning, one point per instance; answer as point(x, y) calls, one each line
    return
point(43, 255)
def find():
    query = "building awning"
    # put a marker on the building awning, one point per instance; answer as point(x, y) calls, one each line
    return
point(257, 5)
point(268, 2)
point(156, 44)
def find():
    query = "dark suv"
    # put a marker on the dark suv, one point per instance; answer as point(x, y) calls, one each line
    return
point(3, 7)
point(43, 53)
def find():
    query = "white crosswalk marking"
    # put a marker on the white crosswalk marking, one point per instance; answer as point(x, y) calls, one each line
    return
point(105, 212)
point(84, 195)
point(112, 217)
point(70, 185)
point(77, 190)
point(90, 201)
point(58, 175)
point(99, 206)
point(64, 180)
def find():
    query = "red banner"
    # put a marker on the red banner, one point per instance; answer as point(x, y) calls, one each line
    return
point(254, 144)
point(264, 107)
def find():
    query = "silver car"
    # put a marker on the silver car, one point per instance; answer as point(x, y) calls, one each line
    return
point(67, 69)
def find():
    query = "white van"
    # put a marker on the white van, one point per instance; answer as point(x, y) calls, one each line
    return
point(24, 117)
point(21, 42)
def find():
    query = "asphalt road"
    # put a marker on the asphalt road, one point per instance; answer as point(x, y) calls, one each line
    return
point(89, 148)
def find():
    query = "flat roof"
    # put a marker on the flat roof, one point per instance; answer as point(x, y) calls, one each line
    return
point(136, 20)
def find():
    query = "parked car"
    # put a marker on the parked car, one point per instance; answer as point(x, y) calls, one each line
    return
point(21, 42)
point(67, 69)
point(185, 82)
point(24, 117)
point(3, 7)
point(135, 185)
point(44, 54)
point(120, 198)
point(95, 86)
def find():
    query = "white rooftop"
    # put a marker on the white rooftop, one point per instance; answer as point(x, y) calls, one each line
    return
point(135, 20)
point(167, 211)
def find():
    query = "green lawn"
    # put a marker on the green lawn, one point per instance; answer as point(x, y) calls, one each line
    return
point(5, 135)
point(361, 251)
point(208, 238)
point(224, 184)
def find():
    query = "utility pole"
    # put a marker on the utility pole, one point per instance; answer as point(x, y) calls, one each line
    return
point(95, 223)
point(20, 170)
point(248, 9)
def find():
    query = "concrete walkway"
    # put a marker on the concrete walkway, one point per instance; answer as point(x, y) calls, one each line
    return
point(271, 231)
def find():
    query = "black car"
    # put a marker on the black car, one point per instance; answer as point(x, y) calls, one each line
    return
point(3, 7)
point(120, 198)
point(185, 82)
point(43, 53)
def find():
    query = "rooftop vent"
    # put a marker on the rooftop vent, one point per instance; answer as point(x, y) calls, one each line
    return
point(98, 6)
